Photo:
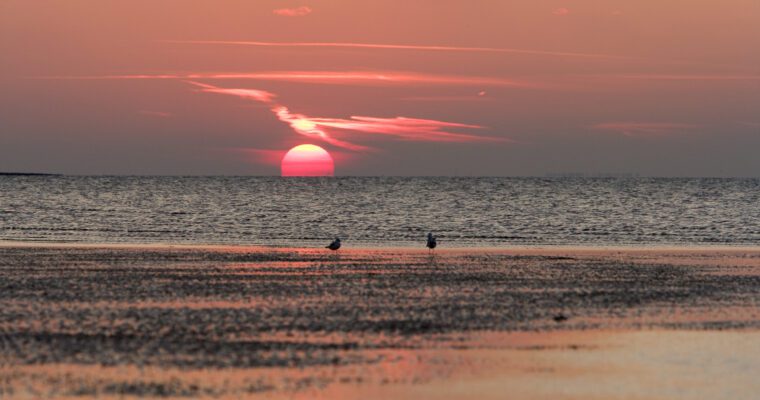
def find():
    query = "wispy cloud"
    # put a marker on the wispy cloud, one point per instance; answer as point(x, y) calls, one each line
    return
point(644, 128)
point(691, 77)
point(368, 78)
point(561, 11)
point(320, 128)
point(160, 114)
point(446, 99)
point(293, 12)
point(305, 126)
point(751, 124)
point(253, 94)
point(405, 128)
point(388, 46)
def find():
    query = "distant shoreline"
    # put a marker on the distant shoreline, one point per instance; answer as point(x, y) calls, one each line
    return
point(27, 174)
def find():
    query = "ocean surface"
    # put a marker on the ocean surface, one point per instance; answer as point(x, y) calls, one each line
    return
point(380, 211)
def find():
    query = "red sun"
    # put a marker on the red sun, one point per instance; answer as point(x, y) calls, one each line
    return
point(307, 160)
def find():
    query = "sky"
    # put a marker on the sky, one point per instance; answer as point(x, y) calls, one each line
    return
point(387, 87)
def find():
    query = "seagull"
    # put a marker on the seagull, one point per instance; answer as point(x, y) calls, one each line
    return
point(431, 243)
point(560, 318)
point(335, 245)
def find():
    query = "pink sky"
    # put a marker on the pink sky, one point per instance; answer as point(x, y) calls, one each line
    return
point(394, 88)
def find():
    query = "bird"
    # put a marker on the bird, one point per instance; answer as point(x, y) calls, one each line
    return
point(335, 245)
point(431, 243)
point(560, 318)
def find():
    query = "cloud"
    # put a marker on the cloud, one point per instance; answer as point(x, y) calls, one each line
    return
point(381, 78)
point(691, 77)
point(252, 94)
point(385, 46)
point(413, 129)
point(367, 78)
point(305, 126)
point(751, 124)
point(293, 12)
point(478, 98)
point(644, 128)
point(561, 11)
point(323, 129)
point(160, 114)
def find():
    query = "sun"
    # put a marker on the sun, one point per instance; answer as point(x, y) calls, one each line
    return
point(307, 160)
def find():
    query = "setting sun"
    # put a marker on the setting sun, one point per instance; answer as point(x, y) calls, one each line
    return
point(307, 160)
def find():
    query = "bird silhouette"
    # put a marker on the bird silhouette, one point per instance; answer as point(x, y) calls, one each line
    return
point(431, 243)
point(335, 245)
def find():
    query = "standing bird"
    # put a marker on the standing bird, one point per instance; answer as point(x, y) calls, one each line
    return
point(335, 245)
point(431, 243)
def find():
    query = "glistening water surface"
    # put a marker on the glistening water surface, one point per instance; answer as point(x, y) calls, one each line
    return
point(234, 322)
point(390, 211)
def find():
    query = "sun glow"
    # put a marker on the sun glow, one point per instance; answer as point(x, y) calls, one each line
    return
point(307, 160)
point(304, 124)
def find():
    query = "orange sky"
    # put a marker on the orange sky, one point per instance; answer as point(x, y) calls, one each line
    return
point(387, 87)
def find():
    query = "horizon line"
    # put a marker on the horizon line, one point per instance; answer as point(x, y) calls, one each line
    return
point(547, 175)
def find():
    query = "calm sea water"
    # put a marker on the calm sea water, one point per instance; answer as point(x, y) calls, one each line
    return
point(380, 211)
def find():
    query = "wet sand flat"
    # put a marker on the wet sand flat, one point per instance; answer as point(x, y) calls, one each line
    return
point(230, 322)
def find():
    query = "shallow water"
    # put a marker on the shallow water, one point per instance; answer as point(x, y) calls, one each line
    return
point(380, 211)
point(241, 308)
point(97, 322)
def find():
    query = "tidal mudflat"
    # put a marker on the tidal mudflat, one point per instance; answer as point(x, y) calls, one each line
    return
point(202, 321)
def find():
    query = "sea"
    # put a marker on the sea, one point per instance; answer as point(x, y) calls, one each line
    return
point(380, 211)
